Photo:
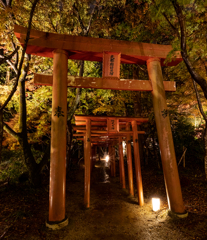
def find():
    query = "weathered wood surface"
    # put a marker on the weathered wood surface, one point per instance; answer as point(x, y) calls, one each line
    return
point(104, 118)
point(104, 83)
point(91, 49)
point(99, 131)
point(108, 133)
point(105, 133)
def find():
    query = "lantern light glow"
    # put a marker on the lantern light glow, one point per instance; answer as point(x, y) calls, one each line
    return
point(155, 204)
point(107, 158)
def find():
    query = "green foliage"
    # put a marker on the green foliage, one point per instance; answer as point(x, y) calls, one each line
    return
point(184, 135)
point(12, 165)
point(3, 73)
point(141, 21)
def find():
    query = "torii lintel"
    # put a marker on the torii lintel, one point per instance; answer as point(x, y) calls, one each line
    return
point(91, 49)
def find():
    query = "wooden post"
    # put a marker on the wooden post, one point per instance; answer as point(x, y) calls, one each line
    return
point(111, 160)
point(87, 164)
point(129, 161)
point(169, 163)
point(137, 164)
point(114, 160)
point(99, 156)
point(95, 155)
point(84, 150)
point(58, 141)
point(121, 162)
point(120, 170)
point(92, 156)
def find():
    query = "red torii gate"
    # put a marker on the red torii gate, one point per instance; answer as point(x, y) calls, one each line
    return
point(111, 130)
point(63, 47)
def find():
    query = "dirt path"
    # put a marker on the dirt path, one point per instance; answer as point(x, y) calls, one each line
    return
point(113, 214)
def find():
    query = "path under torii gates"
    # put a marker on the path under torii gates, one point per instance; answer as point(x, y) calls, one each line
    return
point(62, 47)
point(96, 130)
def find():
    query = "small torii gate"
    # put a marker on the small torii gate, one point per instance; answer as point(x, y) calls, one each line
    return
point(62, 47)
point(101, 129)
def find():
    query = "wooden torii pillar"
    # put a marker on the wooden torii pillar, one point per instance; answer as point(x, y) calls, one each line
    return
point(111, 159)
point(113, 52)
point(87, 154)
point(57, 218)
point(164, 132)
point(121, 163)
point(113, 162)
point(129, 161)
point(137, 164)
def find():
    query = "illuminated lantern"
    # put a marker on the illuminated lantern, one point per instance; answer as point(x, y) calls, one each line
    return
point(111, 65)
point(107, 158)
point(155, 204)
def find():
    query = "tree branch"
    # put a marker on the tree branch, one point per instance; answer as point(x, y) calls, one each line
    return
point(9, 2)
point(78, 94)
point(4, 5)
point(172, 26)
point(4, 59)
point(53, 26)
point(12, 66)
point(195, 76)
point(199, 101)
point(78, 91)
point(11, 131)
point(22, 99)
point(75, 104)
point(22, 58)
point(84, 29)
point(167, 19)
point(90, 21)
point(17, 57)
point(204, 64)
point(26, 68)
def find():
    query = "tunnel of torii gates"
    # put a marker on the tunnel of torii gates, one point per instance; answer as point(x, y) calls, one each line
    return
point(62, 47)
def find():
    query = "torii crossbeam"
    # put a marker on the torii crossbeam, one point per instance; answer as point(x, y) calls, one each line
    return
point(112, 53)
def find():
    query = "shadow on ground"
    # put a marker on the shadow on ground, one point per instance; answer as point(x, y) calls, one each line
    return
point(113, 213)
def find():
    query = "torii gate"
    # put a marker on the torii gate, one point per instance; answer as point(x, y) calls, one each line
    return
point(111, 130)
point(62, 47)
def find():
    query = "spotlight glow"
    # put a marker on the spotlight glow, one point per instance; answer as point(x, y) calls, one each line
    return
point(155, 204)
point(107, 158)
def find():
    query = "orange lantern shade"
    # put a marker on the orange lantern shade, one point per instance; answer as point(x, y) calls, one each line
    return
point(111, 65)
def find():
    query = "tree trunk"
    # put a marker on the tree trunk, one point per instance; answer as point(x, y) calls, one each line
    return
point(194, 74)
point(32, 166)
point(70, 115)
point(1, 131)
point(7, 75)
point(34, 169)
point(205, 131)
point(205, 157)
